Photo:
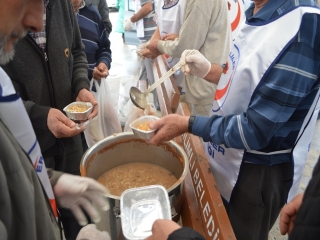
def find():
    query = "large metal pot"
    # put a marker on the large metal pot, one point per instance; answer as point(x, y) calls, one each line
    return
point(125, 148)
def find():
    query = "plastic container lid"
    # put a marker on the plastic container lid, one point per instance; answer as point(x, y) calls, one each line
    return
point(140, 207)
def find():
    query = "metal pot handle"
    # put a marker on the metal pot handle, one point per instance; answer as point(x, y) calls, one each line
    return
point(117, 212)
point(172, 200)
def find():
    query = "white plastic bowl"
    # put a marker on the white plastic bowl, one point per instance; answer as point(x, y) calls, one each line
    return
point(147, 135)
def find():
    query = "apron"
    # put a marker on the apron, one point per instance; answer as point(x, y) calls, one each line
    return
point(233, 95)
point(236, 15)
point(15, 117)
point(170, 17)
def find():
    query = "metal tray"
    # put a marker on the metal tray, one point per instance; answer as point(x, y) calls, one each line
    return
point(78, 116)
point(140, 207)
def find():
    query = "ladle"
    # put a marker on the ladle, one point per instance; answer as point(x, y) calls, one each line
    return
point(140, 98)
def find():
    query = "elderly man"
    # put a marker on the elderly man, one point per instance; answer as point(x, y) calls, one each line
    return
point(52, 74)
point(263, 114)
point(201, 25)
point(30, 194)
point(49, 71)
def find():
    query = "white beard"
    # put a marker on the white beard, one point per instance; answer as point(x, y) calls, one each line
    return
point(5, 56)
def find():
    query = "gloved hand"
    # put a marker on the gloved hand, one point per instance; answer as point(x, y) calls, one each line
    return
point(79, 194)
point(196, 64)
point(127, 24)
point(90, 232)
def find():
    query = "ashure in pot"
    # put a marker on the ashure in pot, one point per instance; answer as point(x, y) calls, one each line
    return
point(125, 148)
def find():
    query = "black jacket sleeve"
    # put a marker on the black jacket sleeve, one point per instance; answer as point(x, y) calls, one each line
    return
point(185, 233)
point(307, 222)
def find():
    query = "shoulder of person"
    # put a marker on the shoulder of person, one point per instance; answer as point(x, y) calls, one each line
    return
point(92, 11)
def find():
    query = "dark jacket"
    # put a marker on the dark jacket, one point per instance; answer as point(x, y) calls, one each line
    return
point(185, 233)
point(307, 222)
point(55, 82)
point(94, 37)
point(25, 212)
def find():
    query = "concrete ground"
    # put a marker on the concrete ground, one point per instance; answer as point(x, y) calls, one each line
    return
point(126, 62)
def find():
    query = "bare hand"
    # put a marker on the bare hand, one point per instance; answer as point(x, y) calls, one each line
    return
point(86, 96)
point(153, 47)
point(146, 53)
point(169, 36)
point(288, 214)
point(162, 228)
point(168, 127)
point(100, 71)
point(60, 125)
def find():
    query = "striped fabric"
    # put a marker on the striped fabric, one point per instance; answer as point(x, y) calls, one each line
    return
point(94, 38)
point(149, 24)
point(281, 102)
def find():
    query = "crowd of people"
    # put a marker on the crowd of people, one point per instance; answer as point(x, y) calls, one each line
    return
point(251, 83)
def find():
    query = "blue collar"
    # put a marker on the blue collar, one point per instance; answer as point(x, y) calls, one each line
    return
point(266, 12)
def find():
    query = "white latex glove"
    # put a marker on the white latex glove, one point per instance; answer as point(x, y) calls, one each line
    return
point(90, 232)
point(196, 64)
point(127, 24)
point(79, 194)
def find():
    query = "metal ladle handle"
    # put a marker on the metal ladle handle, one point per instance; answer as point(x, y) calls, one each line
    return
point(166, 75)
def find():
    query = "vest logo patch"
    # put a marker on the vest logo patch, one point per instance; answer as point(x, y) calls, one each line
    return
point(214, 147)
point(235, 8)
point(226, 79)
point(38, 164)
point(169, 3)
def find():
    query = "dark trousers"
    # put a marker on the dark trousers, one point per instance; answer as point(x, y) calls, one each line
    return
point(69, 162)
point(257, 199)
point(71, 228)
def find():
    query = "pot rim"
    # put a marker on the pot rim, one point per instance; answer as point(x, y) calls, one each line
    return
point(171, 143)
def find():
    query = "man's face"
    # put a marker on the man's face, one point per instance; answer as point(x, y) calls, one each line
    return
point(16, 18)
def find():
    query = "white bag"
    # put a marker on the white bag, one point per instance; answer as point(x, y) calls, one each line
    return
point(107, 121)
point(124, 102)
point(136, 113)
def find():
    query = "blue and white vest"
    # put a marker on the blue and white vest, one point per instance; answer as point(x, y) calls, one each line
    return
point(233, 95)
point(15, 117)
